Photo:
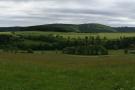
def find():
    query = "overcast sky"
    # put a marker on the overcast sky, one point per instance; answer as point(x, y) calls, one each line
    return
point(35, 12)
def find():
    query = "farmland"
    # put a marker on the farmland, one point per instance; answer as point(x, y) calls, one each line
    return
point(67, 45)
point(82, 35)
point(52, 71)
point(73, 35)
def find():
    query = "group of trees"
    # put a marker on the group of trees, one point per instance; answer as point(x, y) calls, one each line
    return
point(89, 45)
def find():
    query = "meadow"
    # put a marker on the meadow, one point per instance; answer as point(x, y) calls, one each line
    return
point(73, 35)
point(51, 71)
point(81, 35)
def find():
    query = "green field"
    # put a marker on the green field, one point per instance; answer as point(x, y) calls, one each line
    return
point(51, 71)
point(82, 35)
point(74, 35)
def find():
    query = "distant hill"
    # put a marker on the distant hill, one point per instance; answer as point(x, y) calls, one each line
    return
point(125, 29)
point(55, 27)
point(93, 28)
point(47, 27)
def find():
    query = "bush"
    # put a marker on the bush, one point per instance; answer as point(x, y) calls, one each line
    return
point(30, 51)
point(69, 50)
point(126, 51)
point(86, 50)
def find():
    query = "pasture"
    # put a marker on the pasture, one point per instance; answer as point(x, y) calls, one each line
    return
point(51, 71)
point(73, 35)
point(81, 35)
point(56, 71)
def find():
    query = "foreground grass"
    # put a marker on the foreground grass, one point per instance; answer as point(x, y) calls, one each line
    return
point(64, 72)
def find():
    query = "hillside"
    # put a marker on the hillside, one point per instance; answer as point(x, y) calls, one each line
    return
point(55, 27)
point(125, 29)
point(93, 27)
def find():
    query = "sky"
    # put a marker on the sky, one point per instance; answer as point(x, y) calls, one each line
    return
point(37, 12)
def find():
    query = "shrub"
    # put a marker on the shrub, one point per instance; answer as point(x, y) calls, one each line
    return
point(30, 51)
point(86, 50)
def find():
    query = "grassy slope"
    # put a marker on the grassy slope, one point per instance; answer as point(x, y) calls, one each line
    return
point(74, 35)
point(63, 72)
point(82, 35)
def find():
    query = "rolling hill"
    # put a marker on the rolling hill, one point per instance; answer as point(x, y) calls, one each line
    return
point(93, 28)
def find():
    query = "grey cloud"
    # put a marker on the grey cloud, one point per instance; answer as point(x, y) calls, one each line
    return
point(32, 12)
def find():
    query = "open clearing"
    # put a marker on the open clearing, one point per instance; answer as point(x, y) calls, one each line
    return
point(50, 71)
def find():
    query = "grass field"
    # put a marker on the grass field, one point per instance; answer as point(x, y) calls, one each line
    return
point(82, 35)
point(74, 35)
point(50, 71)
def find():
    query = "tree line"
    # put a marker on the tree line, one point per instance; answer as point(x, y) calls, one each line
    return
point(90, 45)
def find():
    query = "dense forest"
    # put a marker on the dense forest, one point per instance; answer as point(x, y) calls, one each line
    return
point(93, 27)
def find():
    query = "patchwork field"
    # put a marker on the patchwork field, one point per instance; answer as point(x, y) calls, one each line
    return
point(51, 71)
